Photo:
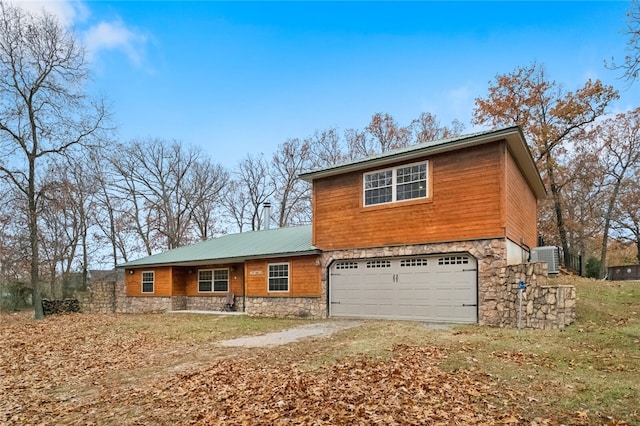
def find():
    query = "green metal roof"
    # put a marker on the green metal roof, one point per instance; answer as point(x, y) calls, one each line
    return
point(295, 241)
point(513, 135)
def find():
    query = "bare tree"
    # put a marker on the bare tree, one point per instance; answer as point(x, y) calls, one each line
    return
point(293, 195)
point(254, 184)
point(620, 138)
point(112, 217)
point(627, 218)
point(66, 219)
point(236, 204)
point(358, 144)
point(326, 148)
point(386, 134)
point(130, 209)
point(427, 128)
point(630, 67)
point(43, 110)
point(207, 181)
point(168, 179)
point(582, 199)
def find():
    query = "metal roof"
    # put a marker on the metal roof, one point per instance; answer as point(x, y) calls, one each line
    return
point(513, 135)
point(294, 241)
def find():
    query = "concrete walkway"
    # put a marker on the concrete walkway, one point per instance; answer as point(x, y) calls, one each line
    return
point(321, 329)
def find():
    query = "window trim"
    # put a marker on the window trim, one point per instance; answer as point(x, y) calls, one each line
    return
point(394, 184)
point(269, 265)
point(213, 280)
point(153, 282)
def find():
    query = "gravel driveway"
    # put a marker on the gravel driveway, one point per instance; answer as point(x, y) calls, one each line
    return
point(321, 329)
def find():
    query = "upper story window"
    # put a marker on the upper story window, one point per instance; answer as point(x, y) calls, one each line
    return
point(147, 282)
point(398, 184)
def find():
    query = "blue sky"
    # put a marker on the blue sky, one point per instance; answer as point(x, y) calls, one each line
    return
point(238, 78)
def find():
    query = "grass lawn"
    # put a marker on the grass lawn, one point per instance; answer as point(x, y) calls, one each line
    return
point(169, 369)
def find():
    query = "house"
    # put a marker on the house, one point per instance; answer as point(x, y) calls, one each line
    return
point(422, 232)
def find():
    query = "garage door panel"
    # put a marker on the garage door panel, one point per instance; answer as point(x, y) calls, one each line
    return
point(432, 288)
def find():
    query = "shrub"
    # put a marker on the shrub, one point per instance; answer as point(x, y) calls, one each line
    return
point(592, 268)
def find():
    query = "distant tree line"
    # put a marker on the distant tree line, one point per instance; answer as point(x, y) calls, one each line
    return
point(74, 197)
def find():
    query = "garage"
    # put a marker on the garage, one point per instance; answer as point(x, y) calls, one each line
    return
point(439, 288)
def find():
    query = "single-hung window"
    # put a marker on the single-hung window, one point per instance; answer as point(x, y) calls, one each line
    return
point(147, 282)
point(378, 187)
point(279, 277)
point(205, 280)
point(213, 280)
point(221, 280)
point(411, 182)
point(398, 184)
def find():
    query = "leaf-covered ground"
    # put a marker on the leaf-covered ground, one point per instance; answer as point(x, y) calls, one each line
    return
point(168, 369)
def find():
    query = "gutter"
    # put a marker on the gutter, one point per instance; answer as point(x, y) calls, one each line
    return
point(219, 261)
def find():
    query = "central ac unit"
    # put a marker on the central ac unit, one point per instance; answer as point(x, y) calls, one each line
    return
point(549, 254)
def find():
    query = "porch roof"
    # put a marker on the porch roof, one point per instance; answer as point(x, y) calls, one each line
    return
point(283, 242)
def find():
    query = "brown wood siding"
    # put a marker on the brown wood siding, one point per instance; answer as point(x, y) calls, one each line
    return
point(161, 284)
point(304, 276)
point(236, 279)
point(521, 206)
point(467, 188)
point(179, 281)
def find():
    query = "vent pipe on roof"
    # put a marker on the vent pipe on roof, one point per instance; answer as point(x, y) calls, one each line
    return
point(267, 215)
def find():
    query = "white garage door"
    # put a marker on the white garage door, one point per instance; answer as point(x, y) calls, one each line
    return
point(430, 288)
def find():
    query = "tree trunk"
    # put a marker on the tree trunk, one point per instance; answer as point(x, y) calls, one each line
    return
point(557, 206)
point(607, 225)
point(33, 242)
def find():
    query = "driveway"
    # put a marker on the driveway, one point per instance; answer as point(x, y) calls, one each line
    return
point(321, 329)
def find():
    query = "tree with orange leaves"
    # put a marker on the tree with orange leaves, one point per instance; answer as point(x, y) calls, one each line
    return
point(550, 117)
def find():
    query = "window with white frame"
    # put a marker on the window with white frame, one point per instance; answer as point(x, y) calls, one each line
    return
point(148, 279)
point(213, 280)
point(279, 277)
point(398, 184)
point(221, 280)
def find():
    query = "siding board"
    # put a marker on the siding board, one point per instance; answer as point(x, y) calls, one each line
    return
point(236, 279)
point(464, 203)
point(521, 206)
point(304, 277)
point(161, 285)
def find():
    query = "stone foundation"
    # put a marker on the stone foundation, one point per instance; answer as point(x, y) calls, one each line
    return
point(543, 306)
point(287, 307)
point(210, 303)
point(178, 303)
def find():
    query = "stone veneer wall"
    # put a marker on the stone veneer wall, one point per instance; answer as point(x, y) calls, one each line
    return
point(145, 304)
point(491, 256)
point(100, 297)
point(210, 303)
point(543, 306)
point(287, 307)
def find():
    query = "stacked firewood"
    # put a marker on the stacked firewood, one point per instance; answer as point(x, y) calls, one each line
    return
point(57, 306)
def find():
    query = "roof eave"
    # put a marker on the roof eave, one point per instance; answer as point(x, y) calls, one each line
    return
point(218, 261)
point(513, 135)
